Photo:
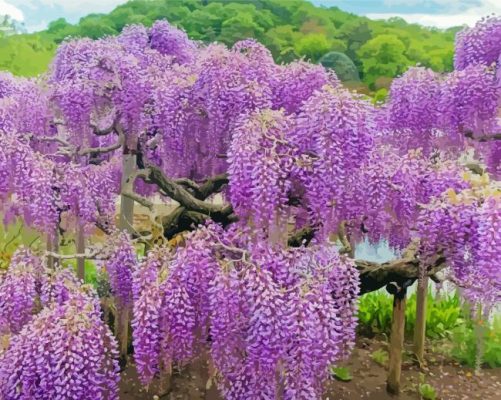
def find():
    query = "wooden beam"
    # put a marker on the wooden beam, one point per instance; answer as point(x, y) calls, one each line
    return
point(396, 344)
point(420, 327)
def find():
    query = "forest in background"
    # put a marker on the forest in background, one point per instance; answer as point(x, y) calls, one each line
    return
point(364, 52)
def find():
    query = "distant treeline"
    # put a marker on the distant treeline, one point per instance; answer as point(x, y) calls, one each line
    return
point(359, 49)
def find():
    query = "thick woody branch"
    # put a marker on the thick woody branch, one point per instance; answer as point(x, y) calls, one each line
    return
point(208, 187)
point(181, 219)
point(56, 139)
point(69, 149)
point(213, 185)
point(100, 150)
point(483, 138)
point(139, 199)
point(103, 132)
point(347, 248)
point(104, 149)
point(177, 192)
point(189, 184)
point(170, 222)
point(374, 276)
point(301, 237)
point(94, 255)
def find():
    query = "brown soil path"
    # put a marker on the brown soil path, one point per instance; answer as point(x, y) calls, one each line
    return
point(450, 380)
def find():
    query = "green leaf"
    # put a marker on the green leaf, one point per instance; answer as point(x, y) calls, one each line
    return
point(341, 374)
point(427, 391)
point(380, 356)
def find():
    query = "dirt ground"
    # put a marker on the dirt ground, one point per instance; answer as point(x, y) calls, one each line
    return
point(450, 380)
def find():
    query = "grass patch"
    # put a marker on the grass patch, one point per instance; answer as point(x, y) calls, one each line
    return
point(447, 321)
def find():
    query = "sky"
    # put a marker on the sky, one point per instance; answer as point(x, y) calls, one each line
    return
point(36, 14)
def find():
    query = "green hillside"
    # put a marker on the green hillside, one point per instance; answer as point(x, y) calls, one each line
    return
point(291, 29)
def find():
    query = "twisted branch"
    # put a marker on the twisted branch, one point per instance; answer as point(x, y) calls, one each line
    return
point(177, 192)
point(104, 149)
point(208, 187)
point(139, 199)
point(107, 130)
point(483, 138)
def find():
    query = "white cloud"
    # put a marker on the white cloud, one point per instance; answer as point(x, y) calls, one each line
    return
point(451, 4)
point(469, 16)
point(435, 20)
point(10, 10)
point(38, 12)
point(77, 6)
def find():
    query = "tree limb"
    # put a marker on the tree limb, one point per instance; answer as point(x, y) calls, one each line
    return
point(95, 255)
point(57, 139)
point(189, 184)
point(139, 199)
point(208, 187)
point(107, 130)
point(301, 237)
point(483, 138)
point(213, 185)
point(178, 193)
point(104, 149)
point(347, 248)
point(374, 276)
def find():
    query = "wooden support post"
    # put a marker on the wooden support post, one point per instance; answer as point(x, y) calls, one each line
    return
point(397, 335)
point(50, 259)
point(52, 246)
point(164, 380)
point(420, 327)
point(126, 216)
point(479, 330)
point(396, 345)
point(126, 219)
point(80, 249)
point(122, 330)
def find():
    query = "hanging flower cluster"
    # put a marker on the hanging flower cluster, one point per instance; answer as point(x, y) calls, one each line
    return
point(120, 267)
point(334, 135)
point(66, 351)
point(479, 44)
point(426, 110)
point(261, 160)
point(266, 331)
point(27, 185)
point(383, 199)
point(19, 291)
point(147, 307)
point(463, 226)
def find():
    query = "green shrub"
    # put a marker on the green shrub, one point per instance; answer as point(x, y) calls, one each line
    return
point(465, 343)
point(427, 391)
point(442, 314)
point(446, 319)
point(374, 313)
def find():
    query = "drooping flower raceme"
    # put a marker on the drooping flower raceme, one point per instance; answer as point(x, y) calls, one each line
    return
point(463, 226)
point(19, 291)
point(65, 352)
point(479, 44)
point(260, 166)
point(120, 268)
point(266, 331)
point(147, 308)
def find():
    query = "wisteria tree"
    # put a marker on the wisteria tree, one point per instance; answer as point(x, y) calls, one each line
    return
point(274, 173)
